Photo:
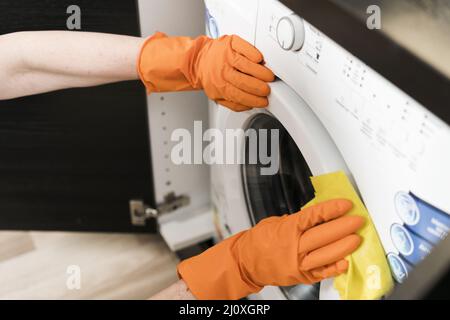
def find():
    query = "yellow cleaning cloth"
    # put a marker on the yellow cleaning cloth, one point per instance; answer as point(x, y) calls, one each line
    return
point(368, 275)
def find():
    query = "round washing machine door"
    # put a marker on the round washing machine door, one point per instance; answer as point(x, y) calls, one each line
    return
point(302, 148)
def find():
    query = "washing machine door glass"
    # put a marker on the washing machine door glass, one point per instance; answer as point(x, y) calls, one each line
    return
point(283, 192)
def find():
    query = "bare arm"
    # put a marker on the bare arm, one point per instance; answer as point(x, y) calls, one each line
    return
point(42, 61)
point(177, 291)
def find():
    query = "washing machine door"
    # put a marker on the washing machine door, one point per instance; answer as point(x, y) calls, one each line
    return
point(304, 149)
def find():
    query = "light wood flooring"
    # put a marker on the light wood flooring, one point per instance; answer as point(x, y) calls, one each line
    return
point(33, 265)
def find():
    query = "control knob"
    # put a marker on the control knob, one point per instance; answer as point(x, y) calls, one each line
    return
point(291, 33)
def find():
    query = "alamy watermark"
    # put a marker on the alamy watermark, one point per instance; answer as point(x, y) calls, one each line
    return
point(373, 277)
point(73, 22)
point(373, 21)
point(214, 146)
point(73, 281)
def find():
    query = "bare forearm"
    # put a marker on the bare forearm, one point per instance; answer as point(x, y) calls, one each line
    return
point(177, 291)
point(35, 62)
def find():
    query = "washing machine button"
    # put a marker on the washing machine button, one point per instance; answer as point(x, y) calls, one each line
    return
point(291, 33)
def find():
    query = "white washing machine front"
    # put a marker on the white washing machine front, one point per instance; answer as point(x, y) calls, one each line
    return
point(396, 149)
point(308, 134)
point(393, 146)
point(239, 197)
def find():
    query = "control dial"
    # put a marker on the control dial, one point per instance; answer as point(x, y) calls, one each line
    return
point(291, 33)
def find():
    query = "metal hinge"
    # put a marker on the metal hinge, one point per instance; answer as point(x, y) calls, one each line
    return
point(140, 212)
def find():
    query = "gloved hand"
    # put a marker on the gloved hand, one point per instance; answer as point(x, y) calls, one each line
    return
point(228, 69)
point(305, 247)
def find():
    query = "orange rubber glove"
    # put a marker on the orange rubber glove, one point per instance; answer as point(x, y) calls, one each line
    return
point(228, 69)
point(305, 247)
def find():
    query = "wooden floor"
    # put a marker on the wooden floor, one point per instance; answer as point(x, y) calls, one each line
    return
point(33, 265)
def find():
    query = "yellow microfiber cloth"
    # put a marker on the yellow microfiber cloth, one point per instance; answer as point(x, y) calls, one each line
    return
point(368, 275)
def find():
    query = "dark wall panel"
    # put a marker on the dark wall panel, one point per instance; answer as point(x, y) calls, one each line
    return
point(72, 159)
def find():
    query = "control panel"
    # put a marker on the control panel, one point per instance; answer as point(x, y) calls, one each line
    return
point(303, 57)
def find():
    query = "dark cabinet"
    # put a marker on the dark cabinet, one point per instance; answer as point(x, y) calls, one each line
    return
point(73, 159)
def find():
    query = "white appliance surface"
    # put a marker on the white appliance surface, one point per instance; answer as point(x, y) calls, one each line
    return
point(232, 17)
point(391, 144)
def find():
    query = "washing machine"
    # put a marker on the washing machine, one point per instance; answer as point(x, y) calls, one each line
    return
point(333, 112)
